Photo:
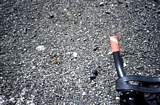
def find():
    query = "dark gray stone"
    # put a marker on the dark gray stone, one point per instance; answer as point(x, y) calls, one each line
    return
point(120, 1)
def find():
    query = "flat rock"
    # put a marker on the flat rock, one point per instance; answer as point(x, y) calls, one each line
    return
point(40, 48)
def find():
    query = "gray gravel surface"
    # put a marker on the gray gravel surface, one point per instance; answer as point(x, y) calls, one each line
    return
point(49, 49)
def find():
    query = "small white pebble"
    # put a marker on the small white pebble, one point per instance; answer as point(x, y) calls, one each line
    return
point(145, 41)
point(147, 31)
point(75, 54)
point(117, 98)
point(84, 93)
point(40, 48)
point(124, 64)
point(139, 73)
point(109, 53)
point(33, 67)
point(65, 9)
point(101, 3)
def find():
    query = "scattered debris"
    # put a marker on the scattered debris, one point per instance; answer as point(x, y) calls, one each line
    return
point(56, 61)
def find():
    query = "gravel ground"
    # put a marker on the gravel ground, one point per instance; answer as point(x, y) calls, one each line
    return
point(50, 47)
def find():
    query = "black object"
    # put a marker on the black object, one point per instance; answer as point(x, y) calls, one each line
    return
point(136, 90)
point(119, 64)
point(94, 73)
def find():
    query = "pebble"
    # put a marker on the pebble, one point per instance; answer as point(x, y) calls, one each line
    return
point(96, 48)
point(105, 2)
point(136, 29)
point(50, 15)
point(140, 67)
point(101, 4)
point(124, 64)
point(32, 17)
point(97, 103)
point(84, 93)
point(75, 54)
point(126, 5)
point(40, 48)
point(147, 31)
point(139, 73)
point(110, 53)
point(145, 41)
point(25, 30)
point(136, 10)
point(120, 1)
point(33, 67)
point(117, 98)
point(14, 31)
point(93, 76)
point(94, 71)
point(107, 12)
